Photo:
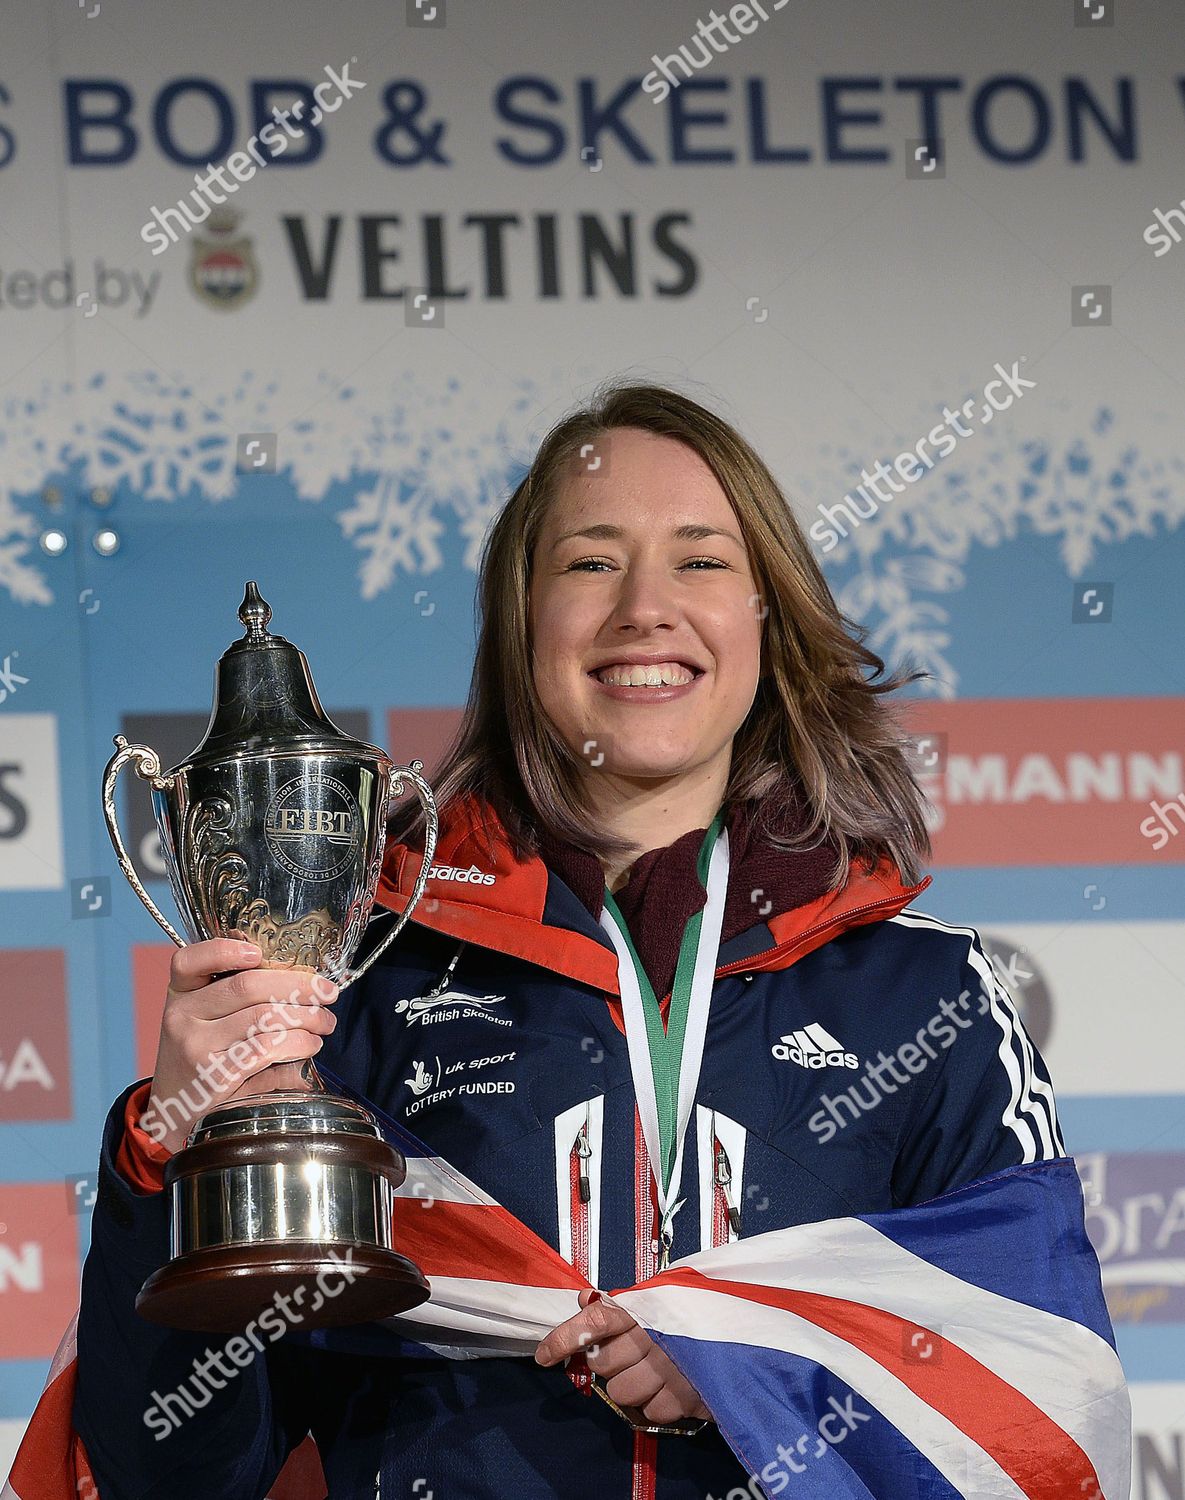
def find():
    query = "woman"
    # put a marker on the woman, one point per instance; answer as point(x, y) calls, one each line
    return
point(674, 779)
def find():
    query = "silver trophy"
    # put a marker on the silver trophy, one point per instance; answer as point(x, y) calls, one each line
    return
point(273, 831)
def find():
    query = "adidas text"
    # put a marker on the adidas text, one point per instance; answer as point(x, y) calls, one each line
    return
point(472, 876)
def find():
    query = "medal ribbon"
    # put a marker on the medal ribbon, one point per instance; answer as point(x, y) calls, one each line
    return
point(666, 1064)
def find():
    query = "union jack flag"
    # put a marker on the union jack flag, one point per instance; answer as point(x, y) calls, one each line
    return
point(959, 1348)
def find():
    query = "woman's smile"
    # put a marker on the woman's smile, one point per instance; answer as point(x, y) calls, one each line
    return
point(650, 685)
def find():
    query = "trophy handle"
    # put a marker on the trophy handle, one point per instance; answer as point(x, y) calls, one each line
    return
point(424, 791)
point(147, 766)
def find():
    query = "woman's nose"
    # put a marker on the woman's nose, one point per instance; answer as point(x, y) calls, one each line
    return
point(645, 597)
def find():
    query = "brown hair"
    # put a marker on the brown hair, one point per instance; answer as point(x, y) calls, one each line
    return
point(818, 736)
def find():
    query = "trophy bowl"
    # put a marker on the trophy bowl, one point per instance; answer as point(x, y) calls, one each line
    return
point(272, 831)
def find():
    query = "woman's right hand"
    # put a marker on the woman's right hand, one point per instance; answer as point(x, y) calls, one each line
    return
point(229, 1037)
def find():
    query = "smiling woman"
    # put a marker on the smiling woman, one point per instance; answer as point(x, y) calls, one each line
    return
point(649, 534)
point(669, 917)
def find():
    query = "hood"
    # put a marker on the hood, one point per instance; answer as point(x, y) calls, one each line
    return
point(509, 905)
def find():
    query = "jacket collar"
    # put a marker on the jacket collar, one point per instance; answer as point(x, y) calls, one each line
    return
point(518, 907)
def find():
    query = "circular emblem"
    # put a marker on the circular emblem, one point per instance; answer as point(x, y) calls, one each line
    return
point(1025, 981)
point(222, 268)
point(313, 826)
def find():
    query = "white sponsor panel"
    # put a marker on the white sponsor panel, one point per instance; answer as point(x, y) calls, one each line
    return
point(1158, 1446)
point(30, 803)
point(1116, 1021)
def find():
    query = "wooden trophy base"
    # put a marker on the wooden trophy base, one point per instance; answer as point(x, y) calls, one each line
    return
point(223, 1290)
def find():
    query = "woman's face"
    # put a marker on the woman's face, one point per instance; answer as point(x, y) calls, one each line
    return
point(635, 589)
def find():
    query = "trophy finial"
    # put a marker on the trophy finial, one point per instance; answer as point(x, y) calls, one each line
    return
point(255, 612)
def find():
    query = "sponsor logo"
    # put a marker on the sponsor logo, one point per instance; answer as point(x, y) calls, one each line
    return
point(1135, 1218)
point(1027, 782)
point(421, 1079)
point(424, 1079)
point(471, 876)
point(222, 269)
point(813, 1047)
point(34, 1043)
point(452, 1005)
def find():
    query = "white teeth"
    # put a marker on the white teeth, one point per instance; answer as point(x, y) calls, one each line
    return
point(660, 674)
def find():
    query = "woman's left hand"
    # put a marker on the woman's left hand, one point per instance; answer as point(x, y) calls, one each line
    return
point(635, 1370)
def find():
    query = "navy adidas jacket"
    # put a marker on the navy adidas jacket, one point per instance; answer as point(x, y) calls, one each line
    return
point(860, 1056)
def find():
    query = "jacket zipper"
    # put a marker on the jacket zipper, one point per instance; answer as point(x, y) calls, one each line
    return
point(725, 1213)
point(646, 1254)
point(580, 1186)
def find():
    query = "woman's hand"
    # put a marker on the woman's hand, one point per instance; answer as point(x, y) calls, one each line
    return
point(231, 1029)
point(635, 1370)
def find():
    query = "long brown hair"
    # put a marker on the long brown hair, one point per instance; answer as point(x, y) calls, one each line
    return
point(819, 735)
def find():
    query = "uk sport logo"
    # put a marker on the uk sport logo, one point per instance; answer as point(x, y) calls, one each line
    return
point(813, 1047)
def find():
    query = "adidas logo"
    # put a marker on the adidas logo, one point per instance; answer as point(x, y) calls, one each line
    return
point(813, 1047)
point(472, 876)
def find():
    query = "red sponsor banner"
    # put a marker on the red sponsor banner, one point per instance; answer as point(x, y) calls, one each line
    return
point(34, 1035)
point(1053, 781)
point(421, 734)
point(39, 1266)
point(150, 980)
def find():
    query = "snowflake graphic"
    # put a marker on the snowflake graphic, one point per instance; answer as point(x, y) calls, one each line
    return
point(1088, 491)
point(420, 463)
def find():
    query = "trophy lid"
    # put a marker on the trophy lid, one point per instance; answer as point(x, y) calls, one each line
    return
point(264, 698)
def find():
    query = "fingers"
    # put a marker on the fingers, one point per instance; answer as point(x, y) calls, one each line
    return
point(637, 1386)
point(265, 1034)
point(599, 1321)
point(281, 989)
point(611, 1355)
point(635, 1370)
point(196, 964)
point(656, 1386)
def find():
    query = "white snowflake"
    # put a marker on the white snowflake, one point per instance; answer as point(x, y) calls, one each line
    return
point(161, 439)
point(25, 583)
point(395, 530)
